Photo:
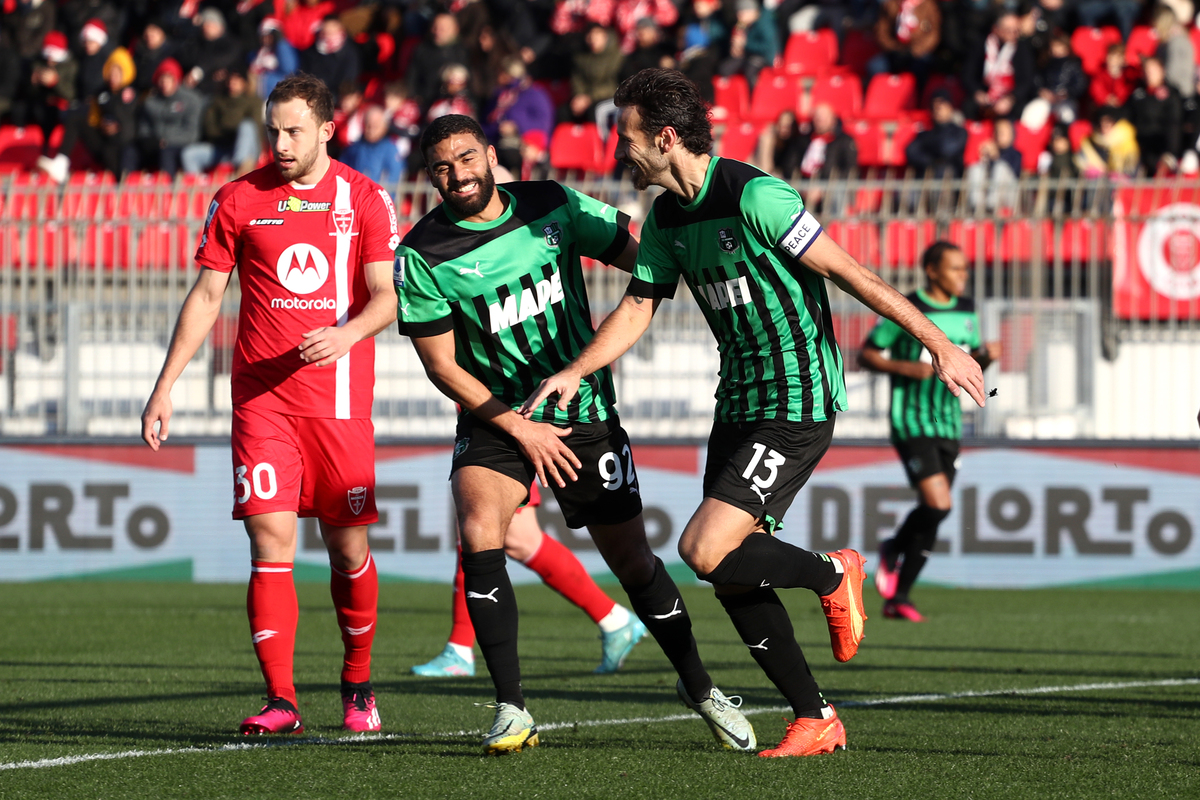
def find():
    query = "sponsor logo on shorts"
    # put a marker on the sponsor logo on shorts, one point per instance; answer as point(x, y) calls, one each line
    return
point(460, 447)
point(357, 497)
point(267, 221)
point(294, 203)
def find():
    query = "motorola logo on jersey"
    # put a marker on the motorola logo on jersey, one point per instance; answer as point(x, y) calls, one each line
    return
point(727, 294)
point(302, 269)
point(530, 303)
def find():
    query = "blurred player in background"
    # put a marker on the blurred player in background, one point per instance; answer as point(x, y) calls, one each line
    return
point(926, 418)
point(312, 240)
point(491, 290)
point(755, 261)
point(559, 569)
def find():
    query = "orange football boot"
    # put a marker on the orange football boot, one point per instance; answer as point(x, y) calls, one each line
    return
point(810, 737)
point(844, 606)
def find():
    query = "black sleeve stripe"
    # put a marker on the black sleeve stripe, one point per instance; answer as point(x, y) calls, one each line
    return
point(418, 330)
point(640, 288)
point(619, 241)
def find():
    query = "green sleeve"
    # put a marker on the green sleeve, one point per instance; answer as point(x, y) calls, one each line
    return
point(600, 229)
point(421, 309)
point(656, 273)
point(884, 334)
point(773, 210)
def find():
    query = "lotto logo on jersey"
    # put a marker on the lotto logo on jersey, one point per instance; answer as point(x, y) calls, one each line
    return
point(530, 303)
point(727, 294)
point(296, 204)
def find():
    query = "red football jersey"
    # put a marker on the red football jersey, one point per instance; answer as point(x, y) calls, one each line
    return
point(300, 252)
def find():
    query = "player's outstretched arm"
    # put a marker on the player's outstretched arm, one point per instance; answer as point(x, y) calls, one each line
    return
point(624, 326)
point(323, 346)
point(953, 367)
point(876, 360)
point(541, 443)
point(196, 318)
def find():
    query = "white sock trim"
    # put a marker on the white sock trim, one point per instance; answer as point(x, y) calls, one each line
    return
point(352, 575)
point(465, 653)
point(616, 619)
point(270, 569)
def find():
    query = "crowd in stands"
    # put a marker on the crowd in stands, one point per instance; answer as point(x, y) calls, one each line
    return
point(986, 89)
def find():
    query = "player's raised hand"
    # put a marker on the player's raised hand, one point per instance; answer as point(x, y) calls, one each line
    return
point(565, 383)
point(543, 445)
point(324, 346)
point(958, 370)
point(158, 410)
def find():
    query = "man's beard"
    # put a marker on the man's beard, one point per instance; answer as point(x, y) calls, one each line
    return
point(646, 175)
point(299, 168)
point(470, 206)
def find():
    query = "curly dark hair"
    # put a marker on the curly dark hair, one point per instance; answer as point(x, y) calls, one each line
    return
point(932, 257)
point(447, 126)
point(308, 88)
point(666, 98)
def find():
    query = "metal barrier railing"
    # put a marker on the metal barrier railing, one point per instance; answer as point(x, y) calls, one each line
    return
point(1093, 287)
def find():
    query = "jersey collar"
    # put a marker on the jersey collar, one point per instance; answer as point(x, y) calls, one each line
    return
point(703, 193)
point(484, 226)
point(921, 293)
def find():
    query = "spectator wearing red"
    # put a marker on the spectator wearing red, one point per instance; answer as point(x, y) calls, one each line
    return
point(998, 73)
point(1113, 86)
point(629, 12)
point(574, 16)
point(828, 153)
point(302, 20)
point(1156, 112)
point(908, 33)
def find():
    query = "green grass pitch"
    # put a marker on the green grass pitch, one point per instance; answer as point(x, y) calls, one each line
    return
point(135, 690)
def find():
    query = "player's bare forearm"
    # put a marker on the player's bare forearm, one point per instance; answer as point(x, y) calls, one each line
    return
point(196, 318)
point(952, 366)
point(619, 331)
point(324, 346)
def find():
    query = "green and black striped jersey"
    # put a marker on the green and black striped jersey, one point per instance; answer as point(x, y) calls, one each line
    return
point(737, 246)
point(512, 291)
point(927, 408)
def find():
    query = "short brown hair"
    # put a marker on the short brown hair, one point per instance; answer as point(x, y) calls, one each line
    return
point(308, 88)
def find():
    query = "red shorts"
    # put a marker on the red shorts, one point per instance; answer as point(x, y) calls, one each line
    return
point(317, 467)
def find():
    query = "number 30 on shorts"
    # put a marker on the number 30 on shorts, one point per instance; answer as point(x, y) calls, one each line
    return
point(616, 474)
point(264, 484)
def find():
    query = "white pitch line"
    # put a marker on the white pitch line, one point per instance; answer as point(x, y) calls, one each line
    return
point(64, 761)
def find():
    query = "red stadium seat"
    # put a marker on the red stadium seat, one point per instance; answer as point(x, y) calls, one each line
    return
point(19, 147)
point(84, 194)
point(810, 52)
point(1196, 43)
point(774, 93)
point(906, 240)
point(865, 133)
point(1091, 45)
point(1080, 129)
point(1032, 143)
point(977, 238)
point(977, 134)
point(1143, 43)
point(843, 92)
point(731, 99)
point(858, 48)
point(859, 239)
point(740, 141)
point(576, 147)
point(888, 96)
point(608, 158)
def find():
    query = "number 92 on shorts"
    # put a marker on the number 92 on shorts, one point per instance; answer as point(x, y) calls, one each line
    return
point(317, 467)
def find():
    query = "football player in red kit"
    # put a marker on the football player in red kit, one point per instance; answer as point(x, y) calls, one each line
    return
point(313, 242)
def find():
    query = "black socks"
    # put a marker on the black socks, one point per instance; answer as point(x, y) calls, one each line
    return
point(915, 540)
point(492, 607)
point(763, 623)
point(660, 607)
point(762, 561)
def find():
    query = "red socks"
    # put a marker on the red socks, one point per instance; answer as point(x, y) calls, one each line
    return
point(462, 632)
point(356, 598)
point(271, 605)
point(562, 572)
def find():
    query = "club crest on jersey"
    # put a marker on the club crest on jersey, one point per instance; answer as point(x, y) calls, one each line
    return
point(343, 221)
point(553, 234)
point(294, 203)
point(460, 447)
point(726, 239)
point(357, 497)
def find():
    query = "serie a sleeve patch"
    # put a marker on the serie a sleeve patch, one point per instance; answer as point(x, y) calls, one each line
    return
point(801, 235)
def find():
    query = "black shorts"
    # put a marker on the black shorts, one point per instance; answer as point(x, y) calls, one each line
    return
point(607, 492)
point(760, 466)
point(925, 456)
